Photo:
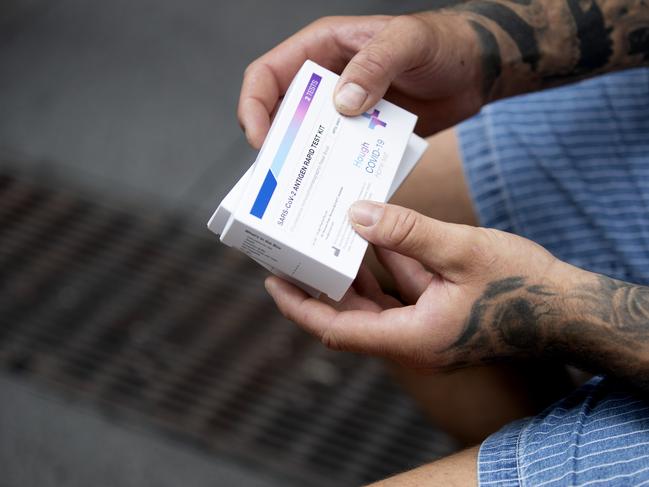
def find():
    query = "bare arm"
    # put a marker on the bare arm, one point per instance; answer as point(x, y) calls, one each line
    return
point(593, 321)
point(476, 295)
point(529, 45)
point(446, 64)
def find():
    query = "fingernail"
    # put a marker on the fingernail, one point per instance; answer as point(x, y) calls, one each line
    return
point(350, 97)
point(365, 213)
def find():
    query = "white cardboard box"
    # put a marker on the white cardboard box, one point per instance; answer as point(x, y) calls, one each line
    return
point(289, 211)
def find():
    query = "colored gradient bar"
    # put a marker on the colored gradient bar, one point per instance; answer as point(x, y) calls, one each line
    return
point(270, 181)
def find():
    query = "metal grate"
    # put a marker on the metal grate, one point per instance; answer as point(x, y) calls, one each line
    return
point(144, 319)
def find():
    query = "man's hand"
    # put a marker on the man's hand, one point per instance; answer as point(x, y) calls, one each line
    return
point(473, 295)
point(431, 61)
point(445, 65)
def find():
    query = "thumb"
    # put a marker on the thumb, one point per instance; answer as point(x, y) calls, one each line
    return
point(395, 49)
point(445, 248)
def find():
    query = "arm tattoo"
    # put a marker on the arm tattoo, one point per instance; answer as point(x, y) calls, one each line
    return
point(536, 44)
point(603, 325)
point(595, 45)
point(507, 317)
point(491, 61)
point(639, 42)
point(510, 22)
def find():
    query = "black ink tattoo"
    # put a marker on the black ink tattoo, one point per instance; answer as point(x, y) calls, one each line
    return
point(639, 42)
point(623, 306)
point(513, 309)
point(595, 45)
point(602, 326)
point(540, 43)
point(520, 31)
point(481, 306)
point(491, 61)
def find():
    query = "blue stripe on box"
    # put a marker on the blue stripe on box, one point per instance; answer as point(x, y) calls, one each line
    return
point(270, 182)
point(263, 198)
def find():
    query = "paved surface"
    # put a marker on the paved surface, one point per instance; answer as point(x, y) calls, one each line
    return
point(137, 99)
point(133, 102)
point(71, 446)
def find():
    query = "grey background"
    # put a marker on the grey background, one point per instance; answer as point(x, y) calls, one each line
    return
point(137, 99)
point(133, 103)
point(47, 441)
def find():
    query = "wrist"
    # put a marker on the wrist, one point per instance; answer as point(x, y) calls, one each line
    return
point(495, 65)
point(567, 308)
point(542, 44)
point(603, 326)
point(531, 320)
point(456, 53)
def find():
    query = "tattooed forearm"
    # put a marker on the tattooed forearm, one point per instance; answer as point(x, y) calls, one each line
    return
point(540, 43)
point(508, 318)
point(491, 62)
point(601, 325)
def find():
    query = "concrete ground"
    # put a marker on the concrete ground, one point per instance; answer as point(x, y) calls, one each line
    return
point(137, 99)
point(134, 103)
point(46, 441)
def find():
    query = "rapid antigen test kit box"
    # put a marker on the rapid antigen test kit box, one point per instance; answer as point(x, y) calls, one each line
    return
point(289, 211)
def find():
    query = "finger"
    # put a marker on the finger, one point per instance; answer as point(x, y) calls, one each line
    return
point(256, 121)
point(445, 248)
point(260, 91)
point(450, 111)
point(400, 46)
point(352, 300)
point(366, 285)
point(384, 333)
point(330, 42)
point(410, 277)
point(296, 305)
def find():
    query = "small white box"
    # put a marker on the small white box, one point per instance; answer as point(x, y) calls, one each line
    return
point(289, 211)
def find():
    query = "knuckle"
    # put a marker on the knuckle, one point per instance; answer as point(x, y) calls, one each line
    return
point(400, 228)
point(302, 316)
point(330, 340)
point(482, 249)
point(286, 312)
point(318, 24)
point(409, 24)
point(374, 61)
point(413, 32)
point(324, 25)
point(325, 21)
point(249, 69)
